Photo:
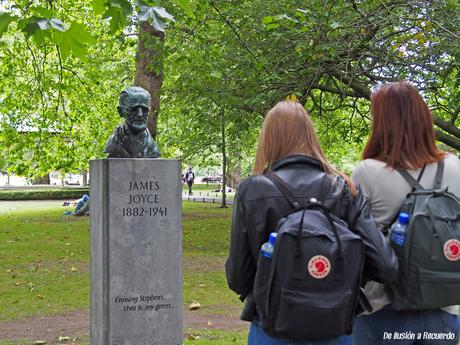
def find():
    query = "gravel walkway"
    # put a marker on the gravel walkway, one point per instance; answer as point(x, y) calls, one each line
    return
point(76, 325)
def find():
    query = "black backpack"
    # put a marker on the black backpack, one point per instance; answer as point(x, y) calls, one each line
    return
point(309, 288)
point(429, 261)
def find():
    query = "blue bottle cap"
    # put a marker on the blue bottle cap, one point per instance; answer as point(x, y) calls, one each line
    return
point(272, 238)
point(404, 218)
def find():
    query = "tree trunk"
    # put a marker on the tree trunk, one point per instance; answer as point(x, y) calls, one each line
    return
point(234, 168)
point(234, 176)
point(85, 177)
point(224, 164)
point(42, 180)
point(149, 69)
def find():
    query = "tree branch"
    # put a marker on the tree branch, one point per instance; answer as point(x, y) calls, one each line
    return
point(455, 116)
point(448, 139)
point(243, 43)
point(329, 89)
point(446, 30)
point(446, 126)
point(359, 89)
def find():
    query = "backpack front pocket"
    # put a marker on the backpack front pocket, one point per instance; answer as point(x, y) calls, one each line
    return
point(439, 289)
point(304, 315)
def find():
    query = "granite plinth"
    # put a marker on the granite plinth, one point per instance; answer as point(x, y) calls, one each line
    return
point(136, 254)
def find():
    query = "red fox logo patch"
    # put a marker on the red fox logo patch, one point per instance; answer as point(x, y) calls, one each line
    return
point(452, 249)
point(319, 266)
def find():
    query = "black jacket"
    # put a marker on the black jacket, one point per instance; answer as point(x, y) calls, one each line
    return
point(259, 205)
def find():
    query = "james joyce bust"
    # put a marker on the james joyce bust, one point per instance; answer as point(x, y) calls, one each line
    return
point(133, 139)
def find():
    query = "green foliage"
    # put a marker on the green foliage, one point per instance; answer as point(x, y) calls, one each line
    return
point(154, 15)
point(225, 64)
point(244, 58)
point(57, 111)
point(74, 40)
point(5, 20)
point(185, 6)
point(43, 194)
point(33, 24)
point(118, 12)
point(62, 67)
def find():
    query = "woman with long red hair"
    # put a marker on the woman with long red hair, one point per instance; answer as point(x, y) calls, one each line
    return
point(402, 136)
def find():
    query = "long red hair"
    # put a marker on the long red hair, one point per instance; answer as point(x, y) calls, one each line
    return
point(402, 128)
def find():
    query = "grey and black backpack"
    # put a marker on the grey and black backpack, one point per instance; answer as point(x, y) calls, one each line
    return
point(309, 288)
point(429, 261)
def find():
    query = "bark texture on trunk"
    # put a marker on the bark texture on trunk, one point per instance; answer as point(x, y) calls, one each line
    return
point(224, 162)
point(233, 175)
point(42, 180)
point(149, 69)
point(85, 177)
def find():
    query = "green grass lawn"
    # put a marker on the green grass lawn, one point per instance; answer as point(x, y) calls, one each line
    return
point(43, 262)
point(44, 265)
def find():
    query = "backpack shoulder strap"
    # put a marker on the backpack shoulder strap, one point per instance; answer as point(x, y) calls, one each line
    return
point(408, 177)
point(438, 176)
point(284, 189)
point(415, 183)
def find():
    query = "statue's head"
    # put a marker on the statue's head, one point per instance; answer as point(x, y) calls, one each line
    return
point(134, 106)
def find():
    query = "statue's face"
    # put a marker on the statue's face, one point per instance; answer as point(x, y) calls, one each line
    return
point(135, 110)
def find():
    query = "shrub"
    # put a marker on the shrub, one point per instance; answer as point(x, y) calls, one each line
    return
point(43, 194)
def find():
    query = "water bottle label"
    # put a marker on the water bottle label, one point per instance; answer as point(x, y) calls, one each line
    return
point(265, 254)
point(399, 239)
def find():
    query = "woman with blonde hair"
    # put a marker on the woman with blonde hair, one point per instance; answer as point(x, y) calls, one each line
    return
point(402, 137)
point(289, 148)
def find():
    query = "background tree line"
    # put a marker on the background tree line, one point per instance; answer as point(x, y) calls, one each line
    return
point(215, 67)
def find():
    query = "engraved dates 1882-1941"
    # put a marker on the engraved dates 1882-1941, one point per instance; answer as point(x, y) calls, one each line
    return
point(143, 199)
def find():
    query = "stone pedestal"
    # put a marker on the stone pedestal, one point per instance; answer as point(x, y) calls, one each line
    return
point(136, 252)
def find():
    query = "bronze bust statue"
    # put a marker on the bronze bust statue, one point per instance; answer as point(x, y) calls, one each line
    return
point(133, 139)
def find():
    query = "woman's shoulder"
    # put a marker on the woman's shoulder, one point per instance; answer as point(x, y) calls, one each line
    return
point(250, 183)
point(369, 165)
point(451, 173)
point(451, 167)
point(251, 180)
point(452, 160)
point(369, 168)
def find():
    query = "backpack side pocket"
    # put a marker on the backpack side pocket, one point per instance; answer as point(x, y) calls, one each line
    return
point(261, 287)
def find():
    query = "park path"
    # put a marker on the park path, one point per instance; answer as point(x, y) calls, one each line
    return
point(23, 205)
point(203, 198)
point(76, 325)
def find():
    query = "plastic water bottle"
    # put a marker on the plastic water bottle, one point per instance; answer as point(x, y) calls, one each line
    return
point(267, 247)
point(399, 229)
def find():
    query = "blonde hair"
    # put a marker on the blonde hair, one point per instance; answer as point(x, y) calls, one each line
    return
point(288, 130)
